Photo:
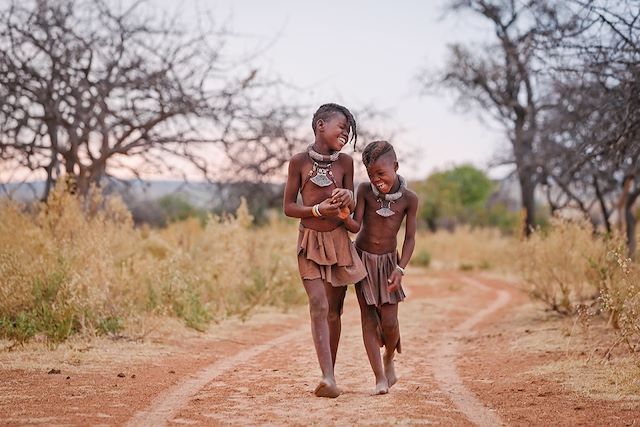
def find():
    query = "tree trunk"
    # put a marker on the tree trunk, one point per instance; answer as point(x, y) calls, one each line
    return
point(603, 205)
point(527, 192)
point(48, 183)
point(522, 149)
point(630, 220)
point(53, 171)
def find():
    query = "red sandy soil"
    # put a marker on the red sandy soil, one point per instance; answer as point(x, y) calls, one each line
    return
point(472, 352)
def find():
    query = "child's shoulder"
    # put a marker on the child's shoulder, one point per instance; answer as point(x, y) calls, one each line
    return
point(299, 158)
point(410, 194)
point(364, 187)
point(345, 158)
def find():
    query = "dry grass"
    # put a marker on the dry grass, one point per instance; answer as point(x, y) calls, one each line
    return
point(576, 272)
point(82, 267)
point(617, 380)
point(594, 366)
point(466, 248)
point(566, 266)
point(619, 280)
point(144, 339)
point(589, 361)
point(562, 265)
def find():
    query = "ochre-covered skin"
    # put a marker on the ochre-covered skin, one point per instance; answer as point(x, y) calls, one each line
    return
point(377, 235)
point(335, 202)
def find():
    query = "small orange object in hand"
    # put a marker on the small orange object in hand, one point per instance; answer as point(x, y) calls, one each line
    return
point(344, 212)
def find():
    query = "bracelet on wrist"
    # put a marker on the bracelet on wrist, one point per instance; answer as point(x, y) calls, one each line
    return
point(315, 211)
point(401, 269)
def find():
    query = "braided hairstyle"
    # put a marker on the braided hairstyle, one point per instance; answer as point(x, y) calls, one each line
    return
point(376, 149)
point(325, 112)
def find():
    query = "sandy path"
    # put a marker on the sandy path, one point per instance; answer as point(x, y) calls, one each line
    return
point(459, 367)
point(271, 382)
point(447, 351)
point(169, 402)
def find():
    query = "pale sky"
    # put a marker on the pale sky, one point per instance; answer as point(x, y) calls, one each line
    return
point(357, 53)
point(360, 53)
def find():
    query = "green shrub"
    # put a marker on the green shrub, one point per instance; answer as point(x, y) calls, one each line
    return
point(422, 258)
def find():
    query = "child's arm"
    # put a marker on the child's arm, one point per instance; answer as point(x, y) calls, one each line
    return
point(351, 225)
point(409, 242)
point(354, 224)
point(344, 196)
point(291, 189)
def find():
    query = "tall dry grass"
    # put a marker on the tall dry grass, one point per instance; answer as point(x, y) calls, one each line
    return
point(576, 271)
point(564, 265)
point(466, 248)
point(619, 281)
point(567, 266)
point(76, 266)
point(82, 267)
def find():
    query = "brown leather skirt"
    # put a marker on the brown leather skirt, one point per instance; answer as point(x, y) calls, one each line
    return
point(374, 289)
point(330, 256)
point(374, 286)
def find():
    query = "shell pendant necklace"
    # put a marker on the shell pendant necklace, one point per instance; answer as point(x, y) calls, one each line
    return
point(322, 167)
point(386, 199)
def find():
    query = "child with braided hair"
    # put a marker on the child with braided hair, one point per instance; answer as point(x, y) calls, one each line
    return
point(327, 258)
point(382, 204)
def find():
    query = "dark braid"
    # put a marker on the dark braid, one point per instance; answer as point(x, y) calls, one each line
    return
point(325, 112)
point(376, 149)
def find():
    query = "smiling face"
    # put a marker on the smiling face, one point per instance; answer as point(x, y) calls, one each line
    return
point(382, 173)
point(334, 131)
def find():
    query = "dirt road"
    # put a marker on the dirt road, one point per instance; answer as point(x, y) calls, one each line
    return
point(462, 365)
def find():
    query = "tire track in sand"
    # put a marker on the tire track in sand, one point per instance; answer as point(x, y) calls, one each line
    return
point(446, 352)
point(178, 400)
point(167, 404)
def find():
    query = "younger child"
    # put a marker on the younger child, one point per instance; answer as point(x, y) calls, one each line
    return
point(381, 206)
point(327, 258)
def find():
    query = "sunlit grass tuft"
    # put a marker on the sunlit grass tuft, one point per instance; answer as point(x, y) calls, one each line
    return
point(82, 267)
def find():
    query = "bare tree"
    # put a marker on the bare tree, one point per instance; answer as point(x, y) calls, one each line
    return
point(260, 144)
point(84, 84)
point(573, 174)
point(591, 137)
point(502, 79)
point(616, 65)
point(563, 79)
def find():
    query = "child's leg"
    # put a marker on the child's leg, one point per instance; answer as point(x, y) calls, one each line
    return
point(391, 332)
point(369, 319)
point(335, 299)
point(318, 309)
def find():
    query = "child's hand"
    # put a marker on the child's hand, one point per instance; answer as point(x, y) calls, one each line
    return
point(342, 196)
point(394, 280)
point(328, 208)
point(344, 212)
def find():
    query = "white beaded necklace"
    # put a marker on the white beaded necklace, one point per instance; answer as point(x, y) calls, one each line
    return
point(389, 198)
point(322, 167)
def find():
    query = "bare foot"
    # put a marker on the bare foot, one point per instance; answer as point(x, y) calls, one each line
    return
point(382, 387)
point(389, 369)
point(327, 389)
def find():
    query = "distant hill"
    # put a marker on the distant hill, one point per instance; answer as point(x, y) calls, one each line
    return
point(24, 192)
point(204, 195)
